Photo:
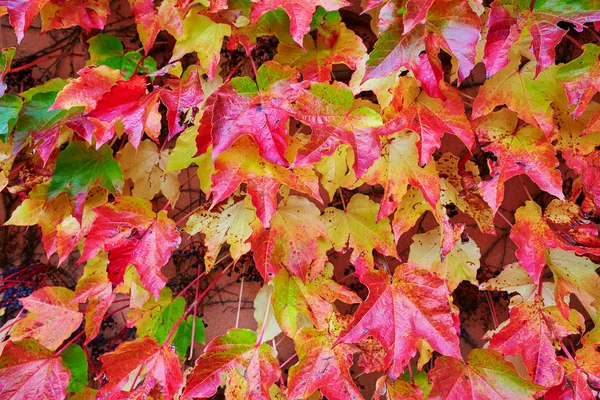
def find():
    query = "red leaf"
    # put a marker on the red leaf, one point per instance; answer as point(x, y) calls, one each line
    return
point(413, 306)
point(21, 13)
point(29, 371)
point(133, 234)
point(88, 14)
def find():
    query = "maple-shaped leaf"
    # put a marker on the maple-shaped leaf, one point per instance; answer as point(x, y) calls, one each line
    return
point(398, 390)
point(576, 275)
point(408, 213)
point(129, 359)
point(300, 13)
point(329, 109)
point(397, 315)
point(529, 96)
point(87, 90)
point(183, 93)
point(133, 234)
point(204, 36)
point(336, 170)
point(519, 150)
point(52, 317)
point(292, 240)
point(146, 167)
point(230, 223)
point(243, 107)
point(460, 264)
point(511, 20)
point(10, 106)
point(127, 102)
point(95, 289)
point(356, 227)
point(87, 14)
point(581, 77)
point(530, 332)
point(28, 370)
point(21, 13)
point(396, 168)
point(106, 49)
point(318, 352)
point(151, 21)
point(238, 348)
point(297, 303)
point(183, 156)
point(485, 375)
point(243, 163)
point(450, 25)
point(533, 236)
point(335, 44)
point(79, 168)
point(582, 375)
point(6, 57)
point(429, 117)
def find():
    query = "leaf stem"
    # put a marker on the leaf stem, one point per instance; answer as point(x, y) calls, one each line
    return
point(70, 342)
point(573, 40)
point(239, 306)
point(286, 362)
point(342, 198)
point(490, 302)
point(262, 329)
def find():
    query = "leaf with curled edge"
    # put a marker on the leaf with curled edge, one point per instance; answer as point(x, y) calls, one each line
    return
point(531, 332)
point(150, 21)
point(534, 233)
point(51, 319)
point(413, 305)
point(450, 25)
point(260, 110)
point(396, 168)
point(292, 241)
point(229, 222)
point(336, 119)
point(159, 363)
point(179, 95)
point(300, 13)
point(242, 163)
point(512, 20)
point(297, 303)
point(334, 44)
point(28, 369)
point(323, 364)
point(529, 96)
point(132, 233)
point(87, 14)
point(519, 150)
point(95, 289)
point(238, 348)
point(429, 117)
point(485, 375)
point(357, 228)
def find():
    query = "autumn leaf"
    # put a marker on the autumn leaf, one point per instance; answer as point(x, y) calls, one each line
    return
point(336, 170)
point(151, 21)
point(88, 14)
point(356, 228)
point(21, 14)
point(10, 105)
point(106, 49)
point(385, 389)
point(580, 78)
point(486, 375)
point(581, 375)
point(28, 369)
point(51, 319)
point(238, 348)
point(133, 234)
point(6, 56)
point(292, 240)
point(160, 364)
point(396, 314)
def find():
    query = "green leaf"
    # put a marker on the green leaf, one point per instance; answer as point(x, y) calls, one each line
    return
point(108, 50)
point(10, 105)
point(103, 46)
point(75, 360)
point(168, 318)
point(52, 86)
point(79, 167)
point(183, 336)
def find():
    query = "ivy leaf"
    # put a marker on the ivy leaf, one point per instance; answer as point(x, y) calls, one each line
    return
point(581, 77)
point(297, 304)
point(336, 170)
point(204, 36)
point(21, 13)
point(317, 351)
point(28, 369)
point(6, 57)
point(408, 213)
point(581, 375)
point(429, 117)
point(108, 50)
point(52, 317)
point(519, 150)
point(395, 314)
point(292, 240)
point(10, 106)
point(356, 228)
point(329, 110)
point(87, 14)
point(127, 361)
point(335, 44)
point(396, 168)
point(510, 20)
point(242, 163)
point(486, 375)
point(530, 332)
point(529, 96)
point(133, 234)
point(230, 223)
point(183, 336)
point(300, 14)
point(151, 21)
point(238, 348)
point(398, 390)
point(73, 357)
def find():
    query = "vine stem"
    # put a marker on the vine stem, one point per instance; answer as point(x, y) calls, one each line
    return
point(42, 59)
point(567, 352)
point(490, 302)
point(239, 306)
point(342, 198)
point(286, 362)
point(180, 220)
point(574, 41)
point(195, 313)
point(70, 342)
